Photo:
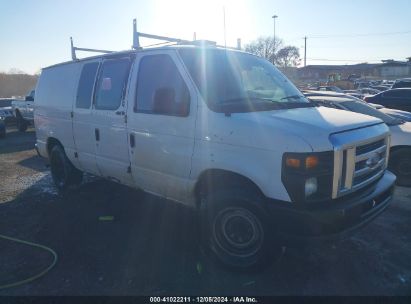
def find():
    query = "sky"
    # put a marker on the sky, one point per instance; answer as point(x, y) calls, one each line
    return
point(35, 33)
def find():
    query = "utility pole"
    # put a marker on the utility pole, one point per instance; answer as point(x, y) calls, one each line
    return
point(305, 51)
point(274, 17)
point(225, 38)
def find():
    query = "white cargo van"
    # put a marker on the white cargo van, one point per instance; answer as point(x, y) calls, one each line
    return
point(222, 131)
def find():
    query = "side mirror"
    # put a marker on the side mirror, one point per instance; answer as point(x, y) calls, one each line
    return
point(29, 98)
point(165, 103)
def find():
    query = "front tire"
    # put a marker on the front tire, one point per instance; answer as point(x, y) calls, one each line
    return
point(400, 165)
point(235, 229)
point(64, 174)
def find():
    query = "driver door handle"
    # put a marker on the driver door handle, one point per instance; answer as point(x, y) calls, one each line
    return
point(97, 134)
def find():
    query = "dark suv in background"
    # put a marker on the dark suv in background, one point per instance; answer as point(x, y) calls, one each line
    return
point(399, 99)
point(402, 83)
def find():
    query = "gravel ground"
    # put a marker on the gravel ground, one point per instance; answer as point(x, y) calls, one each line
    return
point(149, 245)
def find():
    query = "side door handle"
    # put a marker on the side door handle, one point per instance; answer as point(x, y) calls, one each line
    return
point(132, 140)
point(97, 134)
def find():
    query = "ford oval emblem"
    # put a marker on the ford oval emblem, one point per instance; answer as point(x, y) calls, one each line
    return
point(373, 160)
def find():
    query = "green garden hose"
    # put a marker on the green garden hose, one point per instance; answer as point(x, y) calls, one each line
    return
point(37, 276)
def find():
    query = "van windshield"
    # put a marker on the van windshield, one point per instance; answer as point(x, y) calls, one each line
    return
point(238, 82)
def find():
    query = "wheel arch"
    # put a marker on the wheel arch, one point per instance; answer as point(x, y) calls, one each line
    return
point(401, 147)
point(211, 179)
point(51, 142)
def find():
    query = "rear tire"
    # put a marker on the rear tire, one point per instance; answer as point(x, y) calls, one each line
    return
point(64, 174)
point(235, 229)
point(400, 165)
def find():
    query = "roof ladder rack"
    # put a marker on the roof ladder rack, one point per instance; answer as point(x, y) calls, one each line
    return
point(137, 35)
point(74, 49)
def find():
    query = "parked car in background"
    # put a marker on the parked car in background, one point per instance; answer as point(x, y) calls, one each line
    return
point(354, 93)
point(6, 115)
point(402, 83)
point(399, 99)
point(327, 88)
point(368, 91)
point(23, 111)
point(400, 151)
point(380, 88)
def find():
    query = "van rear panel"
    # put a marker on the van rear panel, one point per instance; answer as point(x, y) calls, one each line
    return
point(55, 95)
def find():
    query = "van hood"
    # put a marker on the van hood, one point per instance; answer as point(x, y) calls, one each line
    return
point(312, 125)
point(323, 119)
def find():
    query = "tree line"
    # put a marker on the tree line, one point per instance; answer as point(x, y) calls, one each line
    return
point(283, 56)
point(16, 84)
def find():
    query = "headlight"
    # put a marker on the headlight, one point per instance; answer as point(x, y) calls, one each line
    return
point(308, 176)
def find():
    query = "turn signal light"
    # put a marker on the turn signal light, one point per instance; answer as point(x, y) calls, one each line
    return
point(311, 162)
point(293, 162)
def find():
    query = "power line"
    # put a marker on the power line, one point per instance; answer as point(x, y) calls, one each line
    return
point(342, 60)
point(359, 35)
point(292, 39)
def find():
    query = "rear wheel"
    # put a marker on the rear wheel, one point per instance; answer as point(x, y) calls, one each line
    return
point(235, 229)
point(400, 165)
point(63, 172)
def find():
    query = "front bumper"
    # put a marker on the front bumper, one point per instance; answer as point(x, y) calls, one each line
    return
point(335, 219)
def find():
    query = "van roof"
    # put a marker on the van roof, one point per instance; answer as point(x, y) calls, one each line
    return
point(147, 49)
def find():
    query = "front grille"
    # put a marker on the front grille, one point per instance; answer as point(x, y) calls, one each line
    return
point(370, 161)
point(370, 147)
point(359, 164)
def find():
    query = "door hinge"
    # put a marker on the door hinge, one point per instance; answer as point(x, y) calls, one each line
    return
point(75, 155)
point(125, 118)
point(129, 169)
point(71, 114)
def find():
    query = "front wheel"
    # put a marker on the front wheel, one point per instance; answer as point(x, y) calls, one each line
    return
point(400, 165)
point(63, 172)
point(235, 229)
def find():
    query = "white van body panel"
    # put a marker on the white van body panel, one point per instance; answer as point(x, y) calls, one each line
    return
point(83, 133)
point(112, 153)
point(161, 158)
point(55, 94)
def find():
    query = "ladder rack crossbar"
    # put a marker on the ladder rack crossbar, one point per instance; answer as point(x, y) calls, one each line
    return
point(157, 37)
point(74, 49)
point(93, 50)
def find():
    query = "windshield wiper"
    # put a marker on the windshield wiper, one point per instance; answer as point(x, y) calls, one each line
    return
point(244, 99)
point(292, 97)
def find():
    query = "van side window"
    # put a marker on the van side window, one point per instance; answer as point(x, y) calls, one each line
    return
point(112, 83)
point(85, 86)
point(160, 88)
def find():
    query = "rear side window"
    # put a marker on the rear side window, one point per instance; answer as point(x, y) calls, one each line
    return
point(160, 87)
point(112, 83)
point(85, 87)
